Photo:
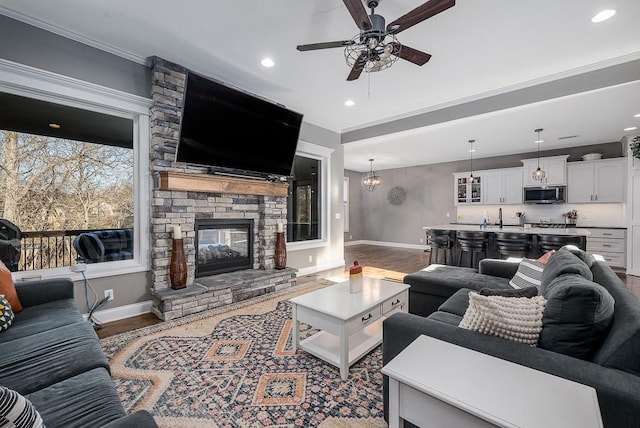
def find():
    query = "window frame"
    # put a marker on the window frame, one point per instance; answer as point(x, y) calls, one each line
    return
point(323, 155)
point(23, 80)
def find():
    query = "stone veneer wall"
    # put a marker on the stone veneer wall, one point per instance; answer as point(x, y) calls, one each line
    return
point(169, 207)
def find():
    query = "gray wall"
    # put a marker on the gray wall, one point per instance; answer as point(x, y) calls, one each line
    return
point(25, 44)
point(429, 191)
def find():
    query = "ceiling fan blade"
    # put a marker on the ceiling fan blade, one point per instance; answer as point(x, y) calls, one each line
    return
point(358, 13)
point(419, 14)
point(410, 54)
point(324, 45)
point(358, 66)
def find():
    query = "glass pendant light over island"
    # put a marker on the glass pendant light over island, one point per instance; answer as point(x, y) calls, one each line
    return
point(539, 173)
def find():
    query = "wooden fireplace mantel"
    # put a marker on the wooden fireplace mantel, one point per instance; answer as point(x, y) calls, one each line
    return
point(220, 184)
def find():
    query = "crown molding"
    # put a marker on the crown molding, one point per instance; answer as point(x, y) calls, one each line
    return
point(73, 36)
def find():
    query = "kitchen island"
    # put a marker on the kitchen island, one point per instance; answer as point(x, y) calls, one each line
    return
point(539, 237)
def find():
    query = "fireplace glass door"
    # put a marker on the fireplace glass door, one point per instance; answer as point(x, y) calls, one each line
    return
point(223, 246)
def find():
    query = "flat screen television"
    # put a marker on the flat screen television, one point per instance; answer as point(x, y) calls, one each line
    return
point(231, 131)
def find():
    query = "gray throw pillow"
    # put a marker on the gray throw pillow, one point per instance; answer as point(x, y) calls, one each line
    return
point(563, 262)
point(508, 292)
point(577, 316)
point(580, 253)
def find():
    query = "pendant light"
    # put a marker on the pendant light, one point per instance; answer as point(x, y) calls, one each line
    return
point(471, 150)
point(539, 173)
point(370, 180)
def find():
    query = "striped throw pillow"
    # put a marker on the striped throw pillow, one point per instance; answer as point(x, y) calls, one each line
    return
point(529, 274)
point(16, 411)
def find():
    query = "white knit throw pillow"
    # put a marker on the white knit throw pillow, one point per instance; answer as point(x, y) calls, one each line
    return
point(515, 318)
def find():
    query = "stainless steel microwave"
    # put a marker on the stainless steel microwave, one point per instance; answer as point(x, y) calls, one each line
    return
point(545, 195)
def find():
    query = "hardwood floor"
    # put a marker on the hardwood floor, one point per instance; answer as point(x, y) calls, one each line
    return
point(378, 261)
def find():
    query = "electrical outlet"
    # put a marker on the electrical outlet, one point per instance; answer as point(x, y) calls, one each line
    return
point(350, 236)
point(421, 240)
point(310, 259)
point(108, 293)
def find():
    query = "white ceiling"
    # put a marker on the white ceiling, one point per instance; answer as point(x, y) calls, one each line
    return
point(480, 49)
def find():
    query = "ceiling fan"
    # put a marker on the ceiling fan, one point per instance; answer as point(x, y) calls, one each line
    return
point(376, 47)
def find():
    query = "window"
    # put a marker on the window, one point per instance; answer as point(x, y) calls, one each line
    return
point(89, 173)
point(308, 201)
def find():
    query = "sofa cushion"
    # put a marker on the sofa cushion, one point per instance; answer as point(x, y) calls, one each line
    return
point(17, 411)
point(514, 318)
point(86, 400)
point(458, 303)
point(577, 316)
point(8, 289)
point(441, 280)
point(621, 347)
point(562, 262)
point(39, 318)
point(529, 274)
point(39, 360)
point(6, 314)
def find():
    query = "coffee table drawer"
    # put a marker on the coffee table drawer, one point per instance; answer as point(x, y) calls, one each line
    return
point(399, 301)
point(363, 319)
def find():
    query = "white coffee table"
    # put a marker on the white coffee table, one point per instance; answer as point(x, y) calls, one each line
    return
point(350, 324)
point(433, 383)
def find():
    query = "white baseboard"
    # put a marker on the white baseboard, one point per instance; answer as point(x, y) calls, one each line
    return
point(388, 244)
point(122, 312)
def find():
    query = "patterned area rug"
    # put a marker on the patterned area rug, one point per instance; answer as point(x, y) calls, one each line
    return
point(236, 369)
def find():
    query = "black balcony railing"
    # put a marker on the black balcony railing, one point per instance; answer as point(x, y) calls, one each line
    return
point(44, 249)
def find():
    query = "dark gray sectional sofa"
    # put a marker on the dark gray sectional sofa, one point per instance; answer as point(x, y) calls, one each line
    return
point(53, 357)
point(603, 352)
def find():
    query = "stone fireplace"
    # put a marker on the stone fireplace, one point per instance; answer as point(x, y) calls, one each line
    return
point(244, 211)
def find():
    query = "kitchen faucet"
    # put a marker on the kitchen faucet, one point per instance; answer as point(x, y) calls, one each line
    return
point(500, 217)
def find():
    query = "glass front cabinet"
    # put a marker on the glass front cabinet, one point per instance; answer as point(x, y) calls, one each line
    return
point(465, 191)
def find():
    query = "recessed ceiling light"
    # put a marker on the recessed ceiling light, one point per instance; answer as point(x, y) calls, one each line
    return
point(636, 115)
point(603, 16)
point(267, 62)
point(349, 103)
point(54, 126)
point(632, 128)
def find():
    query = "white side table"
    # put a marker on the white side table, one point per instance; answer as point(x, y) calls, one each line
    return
point(433, 383)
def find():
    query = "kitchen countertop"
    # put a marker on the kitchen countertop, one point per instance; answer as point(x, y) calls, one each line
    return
point(573, 231)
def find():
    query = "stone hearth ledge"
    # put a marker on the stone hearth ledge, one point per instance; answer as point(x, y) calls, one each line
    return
point(219, 290)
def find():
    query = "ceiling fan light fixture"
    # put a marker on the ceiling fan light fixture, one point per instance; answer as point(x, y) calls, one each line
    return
point(370, 180)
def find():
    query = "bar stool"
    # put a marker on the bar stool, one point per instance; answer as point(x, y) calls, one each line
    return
point(472, 243)
point(513, 244)
point(554, 242)
point(441, 240)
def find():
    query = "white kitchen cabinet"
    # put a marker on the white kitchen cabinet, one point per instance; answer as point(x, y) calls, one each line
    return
point(610, 244)
point(502, 186)
point(553, 166)
point(465, 192)
point(598, 181)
